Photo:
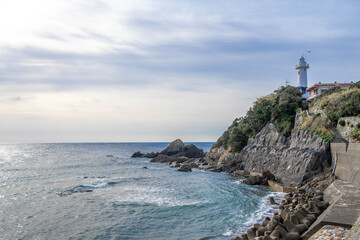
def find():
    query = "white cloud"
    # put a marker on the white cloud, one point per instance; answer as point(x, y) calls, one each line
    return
point(139, 70)
point(118, 114)
point(93, 27)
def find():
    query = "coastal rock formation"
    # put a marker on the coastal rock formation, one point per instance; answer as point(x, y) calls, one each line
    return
point(187, 167)
point(260, 179)
point(176, 149)
point(179, 155)
point(293, 161)
point(145, 155)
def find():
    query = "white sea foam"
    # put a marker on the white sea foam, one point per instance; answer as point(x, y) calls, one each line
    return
point(265, 209)
point(156, 196)
point(100, 185)
point(228, 233)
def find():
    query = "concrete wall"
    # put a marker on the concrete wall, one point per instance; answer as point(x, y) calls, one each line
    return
point(348, 162)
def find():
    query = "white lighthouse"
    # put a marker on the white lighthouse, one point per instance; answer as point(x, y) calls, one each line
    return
point(302, 76)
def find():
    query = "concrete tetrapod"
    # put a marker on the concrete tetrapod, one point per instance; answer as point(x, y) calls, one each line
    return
point(296, 214)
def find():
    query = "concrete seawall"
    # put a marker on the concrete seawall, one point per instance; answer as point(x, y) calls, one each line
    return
point(343, 194)
point(346, 157)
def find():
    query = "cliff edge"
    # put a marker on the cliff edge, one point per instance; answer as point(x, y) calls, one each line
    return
point(294, 160)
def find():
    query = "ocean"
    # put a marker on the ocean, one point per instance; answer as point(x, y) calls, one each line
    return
point(96, 191)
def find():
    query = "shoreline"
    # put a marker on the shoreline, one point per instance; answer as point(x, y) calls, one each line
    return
point(285, 207)
point(297, 211)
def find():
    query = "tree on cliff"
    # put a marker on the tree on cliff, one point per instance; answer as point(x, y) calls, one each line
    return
point(278, 108)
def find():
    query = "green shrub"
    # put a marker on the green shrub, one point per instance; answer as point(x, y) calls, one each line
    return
point(324, 136)
point(317, 115)
point(279, 108)
point(358, 125)
point(342, 122)
point(355, 134)
point(342, 105)
point(355, 85)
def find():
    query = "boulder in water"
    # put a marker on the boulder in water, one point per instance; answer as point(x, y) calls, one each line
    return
point(187, 167)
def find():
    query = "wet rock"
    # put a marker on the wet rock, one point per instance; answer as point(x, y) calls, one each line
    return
point(151, 155)
point(187, 167)
point(213, 169)
point(166, 159)
point(137, 155)
point(261, 179)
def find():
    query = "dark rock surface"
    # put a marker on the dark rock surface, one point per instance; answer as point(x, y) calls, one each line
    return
point(145, 155)
point(176, 149)
point(294, 160)
point(167, 159)
point(150, 155)
point(137, 155)
point(187, 167)
point(260, 180)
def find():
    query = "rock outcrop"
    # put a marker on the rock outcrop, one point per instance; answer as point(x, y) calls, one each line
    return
point(293, 161)
point(176, 149)
point(178, 155)
point(260, 179)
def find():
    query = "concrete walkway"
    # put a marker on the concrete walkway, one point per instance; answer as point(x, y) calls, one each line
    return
point(344, 207)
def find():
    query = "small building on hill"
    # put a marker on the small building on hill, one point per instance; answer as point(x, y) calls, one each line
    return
point(319, 88)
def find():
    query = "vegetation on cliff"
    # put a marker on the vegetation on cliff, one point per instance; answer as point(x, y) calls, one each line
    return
point(278, 108)
point(319, 124)
point(337, 103)
point(332, 105)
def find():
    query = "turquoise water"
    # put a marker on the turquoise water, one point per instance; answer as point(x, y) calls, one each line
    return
point(43, 195)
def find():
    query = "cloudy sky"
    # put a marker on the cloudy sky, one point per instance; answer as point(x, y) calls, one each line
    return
point(136, 70)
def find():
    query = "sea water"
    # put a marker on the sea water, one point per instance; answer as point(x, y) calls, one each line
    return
point(96, 191)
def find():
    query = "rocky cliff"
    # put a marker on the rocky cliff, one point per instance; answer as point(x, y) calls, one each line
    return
point(293, 160)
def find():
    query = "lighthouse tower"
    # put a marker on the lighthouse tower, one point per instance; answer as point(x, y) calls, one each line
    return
point(302, 76)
